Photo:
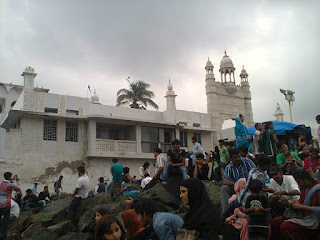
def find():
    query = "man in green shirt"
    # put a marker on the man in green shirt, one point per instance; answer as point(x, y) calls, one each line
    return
point(224, 156)
point(116, 171)
point(288, 161)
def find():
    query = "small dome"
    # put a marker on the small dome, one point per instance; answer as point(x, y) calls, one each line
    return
point(95, 97)
point(209, 64)
point(243, 73)
point(226, 61)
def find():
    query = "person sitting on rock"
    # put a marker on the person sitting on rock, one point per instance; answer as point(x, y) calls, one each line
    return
point(110, 228)
point(200, 170)
point(236, 169)
point(29, 201)
point(146, 180)
point(285, 189)
point(288, 161)
point(132, 223)
point(44, 197)
point(143, 170)
point(127, 187)
point(99, 213)
point(165, 225)
point(175, 162)
point(101, 185)
point(202, 216)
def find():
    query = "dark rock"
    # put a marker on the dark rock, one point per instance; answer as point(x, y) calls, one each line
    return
point(213, 192)
point(30, 230)
point(15, 235)
point(55, 212)
point(44, 234)
point(115, 190)
point(100, 198)
point(159, 193)
point(74, 235)
point(25, 220)
point(173, 185)
point(229, 232)
point(62, 228)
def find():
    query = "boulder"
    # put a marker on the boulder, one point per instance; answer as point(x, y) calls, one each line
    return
point(100, 198)
point(15, 235)
point(55, 212)
point(213, 192)
point(159, 194)
point(25, 220)
point(173, 185)
point(74, 235)
point(62, 228)
point(44, 234)
point(30, 230)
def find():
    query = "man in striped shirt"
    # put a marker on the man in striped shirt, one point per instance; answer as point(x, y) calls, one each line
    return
point(6, 187)
point(236, 169)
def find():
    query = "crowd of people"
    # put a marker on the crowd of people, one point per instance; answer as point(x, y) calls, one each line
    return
point(267, 191)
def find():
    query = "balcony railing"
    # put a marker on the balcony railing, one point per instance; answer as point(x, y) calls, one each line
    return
point(116, 146)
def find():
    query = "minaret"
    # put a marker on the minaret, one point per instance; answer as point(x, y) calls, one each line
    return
point(171, 97)
point(29, 76)
point(211, 87)
point(244, 77)
point(95, 98)
point(278, 113)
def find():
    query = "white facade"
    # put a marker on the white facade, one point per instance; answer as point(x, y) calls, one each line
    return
point(45, 135)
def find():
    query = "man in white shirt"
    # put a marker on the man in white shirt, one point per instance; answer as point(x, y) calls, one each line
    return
point(255, 140)
point(146, 180)
point(81, 192)
point(196, 149)
point(285, 189)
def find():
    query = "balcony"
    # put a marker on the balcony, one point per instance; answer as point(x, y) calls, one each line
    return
point(116, 146)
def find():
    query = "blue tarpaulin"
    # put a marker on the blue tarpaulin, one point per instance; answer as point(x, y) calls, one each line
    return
point(281, 127)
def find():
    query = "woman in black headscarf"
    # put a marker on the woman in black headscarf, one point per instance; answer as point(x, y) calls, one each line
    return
point(202, 216)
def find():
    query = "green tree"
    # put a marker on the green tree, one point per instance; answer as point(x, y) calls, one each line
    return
point(136, 95)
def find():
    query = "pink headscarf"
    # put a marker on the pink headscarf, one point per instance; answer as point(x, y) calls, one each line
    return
point(238, 186)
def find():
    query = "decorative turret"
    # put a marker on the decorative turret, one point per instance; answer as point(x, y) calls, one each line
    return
point(95, 98)
point(170, 97)
point(278, 113)
point(244, 77)
point(29, 76)
point(226, 67)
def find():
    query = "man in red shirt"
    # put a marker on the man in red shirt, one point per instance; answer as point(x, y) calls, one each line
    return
point(6, 187)
point(281, 229)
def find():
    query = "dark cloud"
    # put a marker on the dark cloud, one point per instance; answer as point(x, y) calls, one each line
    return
point(75, 43)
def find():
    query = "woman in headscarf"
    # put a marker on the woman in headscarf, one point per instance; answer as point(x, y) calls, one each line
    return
point(202, 216)
point(241, 132)
point(132, 223)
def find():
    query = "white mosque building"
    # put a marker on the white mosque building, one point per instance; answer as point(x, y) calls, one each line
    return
point(44, 135)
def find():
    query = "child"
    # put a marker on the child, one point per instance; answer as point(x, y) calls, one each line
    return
point(257, 209)
point(109, 228)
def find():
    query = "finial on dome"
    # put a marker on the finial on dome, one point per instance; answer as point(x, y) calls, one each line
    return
point(170, 87)
point(243, 67)
point(225, 52)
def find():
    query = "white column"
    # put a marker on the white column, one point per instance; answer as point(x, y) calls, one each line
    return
point(138, 139)
point(92, 137)
point(177, 133)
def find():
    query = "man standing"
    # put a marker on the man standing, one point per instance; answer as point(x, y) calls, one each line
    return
point(236, 169)
point(256, 137)
point(158, 168)
point(285, 189)
point(318, 121)
point(196, 149)
point(6, 187)
point(175, 162)
point(224, 156)
point(116, 172)
point(81, 192)
point(57, 186)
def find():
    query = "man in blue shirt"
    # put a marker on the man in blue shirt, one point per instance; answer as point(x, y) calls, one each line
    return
point(116, 172)
point(236, 169)
point(165, 224)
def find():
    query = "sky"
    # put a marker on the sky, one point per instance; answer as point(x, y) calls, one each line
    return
point(75, 43)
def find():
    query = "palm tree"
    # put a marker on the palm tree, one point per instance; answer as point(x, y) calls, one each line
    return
point(136, 95)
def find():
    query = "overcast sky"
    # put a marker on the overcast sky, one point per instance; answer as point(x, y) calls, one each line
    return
point(71, 44)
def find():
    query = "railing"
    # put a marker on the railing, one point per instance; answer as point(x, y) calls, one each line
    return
point(116, 146)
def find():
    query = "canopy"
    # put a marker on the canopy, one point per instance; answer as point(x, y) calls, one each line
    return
point(281, 127)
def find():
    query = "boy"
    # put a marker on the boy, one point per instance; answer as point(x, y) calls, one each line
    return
point(288, 161)
point(257, 209)
point(200, 170)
